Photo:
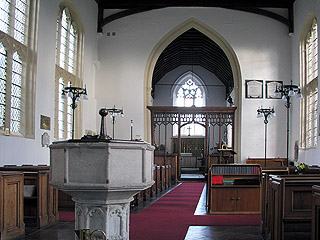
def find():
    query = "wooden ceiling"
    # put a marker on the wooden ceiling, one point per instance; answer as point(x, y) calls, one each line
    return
point(130, 7)
point(193, 47)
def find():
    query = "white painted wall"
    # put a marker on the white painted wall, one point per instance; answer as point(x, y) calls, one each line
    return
point(301, 10)
point(15, 150)
point(262, 45)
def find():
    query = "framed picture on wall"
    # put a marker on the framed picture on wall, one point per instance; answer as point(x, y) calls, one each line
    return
point(271, 87)
point(254, 88)
point(44, 122)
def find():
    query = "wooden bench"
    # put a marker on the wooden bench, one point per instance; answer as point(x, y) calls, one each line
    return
point(11, 204)
point(271, 162)
point(315, 213)
point(168, 160)
point(289, 204)
point(40, 208)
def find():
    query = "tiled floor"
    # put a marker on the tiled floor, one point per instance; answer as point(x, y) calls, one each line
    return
point(65, 230)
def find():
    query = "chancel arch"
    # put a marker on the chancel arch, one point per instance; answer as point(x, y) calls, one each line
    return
point(230, 55)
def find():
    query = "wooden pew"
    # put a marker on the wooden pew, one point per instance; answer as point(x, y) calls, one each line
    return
point(168, 160)
point(168, 176)
point(271, 162)
point(11, 204)
point(289, 204)
point(315, 213)
point(154, 186)
point(163, 178)
point(266, 173)
point(41, 208)
point(158, 179)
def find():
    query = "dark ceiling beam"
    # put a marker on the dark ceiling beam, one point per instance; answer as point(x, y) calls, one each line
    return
point(127, 4)
point(287, 21)
point(102, 22)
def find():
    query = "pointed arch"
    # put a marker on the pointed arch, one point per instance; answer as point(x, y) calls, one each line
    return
point(224, 45)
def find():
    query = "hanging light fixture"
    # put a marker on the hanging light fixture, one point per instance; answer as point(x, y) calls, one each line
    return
point(74, 93)
point(266, 113)
point(286, 92)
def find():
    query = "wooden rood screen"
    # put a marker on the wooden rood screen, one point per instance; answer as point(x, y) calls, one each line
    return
point(167, 122)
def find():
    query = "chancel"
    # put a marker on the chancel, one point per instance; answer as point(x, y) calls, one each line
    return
point(194, 155)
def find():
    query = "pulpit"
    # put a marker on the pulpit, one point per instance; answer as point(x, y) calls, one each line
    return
point(226, 155)
point(102, 176)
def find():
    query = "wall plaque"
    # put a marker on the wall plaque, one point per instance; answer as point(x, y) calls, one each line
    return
point(254, 88)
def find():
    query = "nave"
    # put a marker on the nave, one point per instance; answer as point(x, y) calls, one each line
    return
point(222, 227)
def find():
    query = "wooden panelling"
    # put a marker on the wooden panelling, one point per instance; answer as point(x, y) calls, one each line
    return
point(289, 204)
point(11, 204)
point(40, 208)
point(315, 213)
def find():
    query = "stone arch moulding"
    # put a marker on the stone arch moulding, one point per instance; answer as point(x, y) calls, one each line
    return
point(224, 45)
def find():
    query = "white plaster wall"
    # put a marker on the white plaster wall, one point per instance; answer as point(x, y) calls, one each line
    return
point(216, 91)
point(301, 10)
point(262, 45)
point(15, 150)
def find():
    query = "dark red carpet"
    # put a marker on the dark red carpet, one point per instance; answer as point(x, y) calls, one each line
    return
point(170, 217)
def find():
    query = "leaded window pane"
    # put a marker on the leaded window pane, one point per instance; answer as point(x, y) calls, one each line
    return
point(16, 93)
point(4, 15)
point(60, 110)
point(3, 81)
point(20, 20)
point(311, 87)
point(69, 119)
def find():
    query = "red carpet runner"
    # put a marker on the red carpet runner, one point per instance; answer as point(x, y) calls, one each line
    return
point(170, 217)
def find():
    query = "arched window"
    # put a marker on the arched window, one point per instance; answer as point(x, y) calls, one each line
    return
point(68, 69)
point(189, 90)
point(17, 66)
point(309, 83)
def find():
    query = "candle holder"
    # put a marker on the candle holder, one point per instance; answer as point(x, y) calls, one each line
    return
point(266, 113)
point(113, 113)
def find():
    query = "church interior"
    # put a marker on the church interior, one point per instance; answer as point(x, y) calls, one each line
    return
point(159, 119)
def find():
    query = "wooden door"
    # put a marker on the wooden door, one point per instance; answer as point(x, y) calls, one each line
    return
point(248, 200)
point(223, 200)
point(11, 199)
point(43, 198)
